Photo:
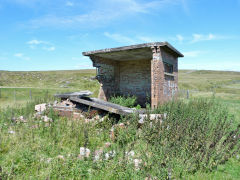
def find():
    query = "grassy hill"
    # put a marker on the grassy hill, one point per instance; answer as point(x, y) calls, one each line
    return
point(16, 87)
point(47, 79)
point(221, 81)
point(225, 84)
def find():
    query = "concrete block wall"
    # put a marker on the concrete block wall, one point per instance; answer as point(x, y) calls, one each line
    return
point(135, 79)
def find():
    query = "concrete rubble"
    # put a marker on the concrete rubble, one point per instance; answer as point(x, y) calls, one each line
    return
point(75, 106)
point(110, 155)
point(46, 119)
point(98, 154)
point(40, 107)
point(79, 106)
point(67, 103)
point(84, 153)
point(137, 163)
point(152, 117)
point(20, 119)
point(75, 103)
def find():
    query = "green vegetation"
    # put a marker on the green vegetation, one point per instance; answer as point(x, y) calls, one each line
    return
point(130, 101)
point(195, 137)
point(199, 139)
point(198, 135)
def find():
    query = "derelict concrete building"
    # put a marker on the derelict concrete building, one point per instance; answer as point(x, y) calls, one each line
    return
point(148, 71)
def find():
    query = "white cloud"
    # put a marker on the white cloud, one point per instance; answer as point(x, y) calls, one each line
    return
point(21, 56)
point(35, 42)
point(146, 39)
point(101, 12)
point(45, 45)
point(69, 3)
point(195, 38)
point(202, 37)
point(120, 38)
point(18, 55)
point(52, 48)
point(180, 38)
point(132, 39)
point(185, 7)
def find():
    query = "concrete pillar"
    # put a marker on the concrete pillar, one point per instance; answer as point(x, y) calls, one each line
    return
point(157, 77)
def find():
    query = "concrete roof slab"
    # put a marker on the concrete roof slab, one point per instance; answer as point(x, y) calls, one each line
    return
point(133, 52)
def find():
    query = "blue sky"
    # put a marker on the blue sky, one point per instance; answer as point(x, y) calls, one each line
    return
point(52, 34)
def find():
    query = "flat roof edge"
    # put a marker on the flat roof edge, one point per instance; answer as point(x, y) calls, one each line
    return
point(137, 46)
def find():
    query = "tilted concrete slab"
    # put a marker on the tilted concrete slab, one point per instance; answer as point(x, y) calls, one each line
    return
point(134, 52)
point(74, 94)
point(106, 106)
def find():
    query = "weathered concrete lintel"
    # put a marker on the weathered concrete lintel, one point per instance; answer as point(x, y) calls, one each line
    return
point(141, 51)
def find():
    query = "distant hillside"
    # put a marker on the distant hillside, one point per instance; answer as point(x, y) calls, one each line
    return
point(221, 81)
point(46, 79)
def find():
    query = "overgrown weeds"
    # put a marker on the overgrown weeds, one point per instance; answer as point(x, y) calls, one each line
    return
point(128, 101)
point(195, 136)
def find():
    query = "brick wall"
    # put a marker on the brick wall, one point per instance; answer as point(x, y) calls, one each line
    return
point(163, 87)
point(170, 84)
point(135, 79)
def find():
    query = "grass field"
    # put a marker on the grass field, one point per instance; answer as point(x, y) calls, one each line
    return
point(21, 160)
point(19, 87)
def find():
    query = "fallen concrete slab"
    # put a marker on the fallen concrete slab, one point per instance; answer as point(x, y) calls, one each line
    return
point(106, 106)
point(74, 94)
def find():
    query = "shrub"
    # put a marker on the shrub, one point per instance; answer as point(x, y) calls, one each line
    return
point(198, 135)
point(129, 101)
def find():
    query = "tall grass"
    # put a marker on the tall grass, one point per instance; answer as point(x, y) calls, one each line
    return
point(129, 101)
point(195, 137)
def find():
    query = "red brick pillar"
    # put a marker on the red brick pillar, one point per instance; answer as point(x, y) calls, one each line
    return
point(157, 77)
